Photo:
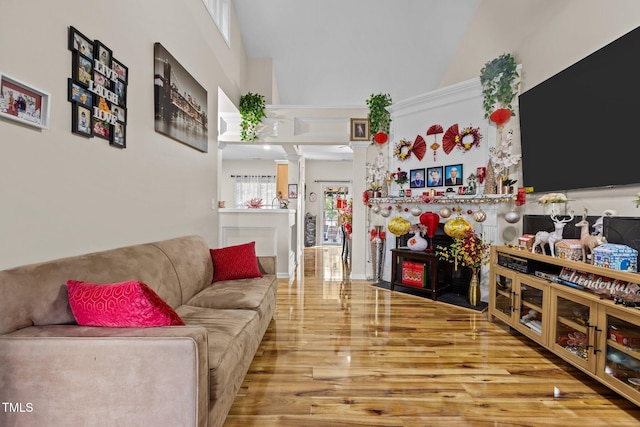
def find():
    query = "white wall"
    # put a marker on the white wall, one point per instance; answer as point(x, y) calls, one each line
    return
point(62, 194)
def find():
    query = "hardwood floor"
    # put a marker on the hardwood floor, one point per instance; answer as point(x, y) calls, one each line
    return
point(344, 353)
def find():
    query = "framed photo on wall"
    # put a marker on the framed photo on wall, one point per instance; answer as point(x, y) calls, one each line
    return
point(82, 120)
point(80, 43)
point(119, 135)
point(434, 176)
point(24, 104)
point(293, 191)
point(453, 175)
point(416, 178)
point(359, 129)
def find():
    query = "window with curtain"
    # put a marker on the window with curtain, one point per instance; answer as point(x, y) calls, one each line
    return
point(247, 187)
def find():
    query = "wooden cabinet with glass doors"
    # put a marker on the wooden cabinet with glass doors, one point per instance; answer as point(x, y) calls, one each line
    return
point(596, 334)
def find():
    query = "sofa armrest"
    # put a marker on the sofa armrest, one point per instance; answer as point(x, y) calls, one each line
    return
point(72, 375)
point(267, 264)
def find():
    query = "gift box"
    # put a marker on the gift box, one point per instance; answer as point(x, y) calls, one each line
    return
point(413, 274)
point(526, 241)
point(615, 257)
point(570, 249)
point(625, 337)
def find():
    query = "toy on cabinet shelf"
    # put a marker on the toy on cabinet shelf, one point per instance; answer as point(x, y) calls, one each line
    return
point(587, 241)
point(544, 237)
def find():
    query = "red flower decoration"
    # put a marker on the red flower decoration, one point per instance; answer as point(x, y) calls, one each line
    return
point(500, 116)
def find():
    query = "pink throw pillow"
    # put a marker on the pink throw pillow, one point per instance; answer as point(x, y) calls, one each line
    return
point(235, 262)
point(125, 305)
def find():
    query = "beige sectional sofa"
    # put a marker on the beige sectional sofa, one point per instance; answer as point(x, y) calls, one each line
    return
point(54, 372)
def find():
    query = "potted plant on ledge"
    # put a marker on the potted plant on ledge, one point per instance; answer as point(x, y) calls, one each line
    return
point(499, 79)
point(252, 106)
point(379, 117)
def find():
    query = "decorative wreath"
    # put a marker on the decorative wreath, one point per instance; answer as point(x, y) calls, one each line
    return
point(403, 149)
point(474, 133)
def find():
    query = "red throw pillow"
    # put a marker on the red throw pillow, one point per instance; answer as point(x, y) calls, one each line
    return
point(235, 262)
point(125, 305)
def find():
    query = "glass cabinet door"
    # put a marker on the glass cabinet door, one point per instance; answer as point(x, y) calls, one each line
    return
point(620, 366)
point(531, 307)
point(503, 295)
point(572, 329)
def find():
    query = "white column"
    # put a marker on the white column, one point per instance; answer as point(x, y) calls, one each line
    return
point(359, 239)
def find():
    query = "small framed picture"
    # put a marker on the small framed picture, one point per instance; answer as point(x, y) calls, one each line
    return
point(453, 175)
point(119, 135)
point(434, 176)
point(119, 112)
point(293, 191)
point(82, 69)
point(120, 89)
point(80, 94)
point(101, 129)
point(79, 43)
point(416, 178)
point(100, 80)
point(359, 129)
point(82, 120)
point(102, 53)
point(121, 70)
point(22, 103)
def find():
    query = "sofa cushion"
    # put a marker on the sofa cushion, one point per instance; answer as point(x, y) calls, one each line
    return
point(235, 262)
point(125, 304)
point(233, 339)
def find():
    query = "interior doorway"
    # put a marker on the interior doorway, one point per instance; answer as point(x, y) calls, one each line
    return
point(335, 196)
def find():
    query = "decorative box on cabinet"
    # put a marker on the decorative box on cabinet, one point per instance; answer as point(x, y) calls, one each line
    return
point(594, 334)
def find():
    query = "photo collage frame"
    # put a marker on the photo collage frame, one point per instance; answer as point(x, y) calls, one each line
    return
point(97, 91)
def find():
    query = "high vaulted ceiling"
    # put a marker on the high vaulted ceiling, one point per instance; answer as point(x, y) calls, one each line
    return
point(339, 52)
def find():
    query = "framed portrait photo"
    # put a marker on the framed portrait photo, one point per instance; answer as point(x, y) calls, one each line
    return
point(435, 177)
point(416, 178)
point(82, 69)
point(453, 175)
point(82, 120)
point(102, 53)
point(118, 138)
point(360, 129)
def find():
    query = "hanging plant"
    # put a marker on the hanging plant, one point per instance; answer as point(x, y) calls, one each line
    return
point(252, 106)
point(379, 117)
point(499, 79)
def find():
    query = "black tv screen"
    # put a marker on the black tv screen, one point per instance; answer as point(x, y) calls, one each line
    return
point(578, 128)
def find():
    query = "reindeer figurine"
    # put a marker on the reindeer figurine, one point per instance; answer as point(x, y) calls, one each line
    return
point(544, 237)
point(588, 241)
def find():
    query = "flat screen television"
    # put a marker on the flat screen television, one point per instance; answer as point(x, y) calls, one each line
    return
point(578, 127)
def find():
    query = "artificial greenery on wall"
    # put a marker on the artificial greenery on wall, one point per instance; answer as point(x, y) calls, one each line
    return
point(252, 106)
point(379, 117)
point(499, 83)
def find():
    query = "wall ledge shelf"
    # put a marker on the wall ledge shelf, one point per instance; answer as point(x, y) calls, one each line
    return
point(474, 199)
